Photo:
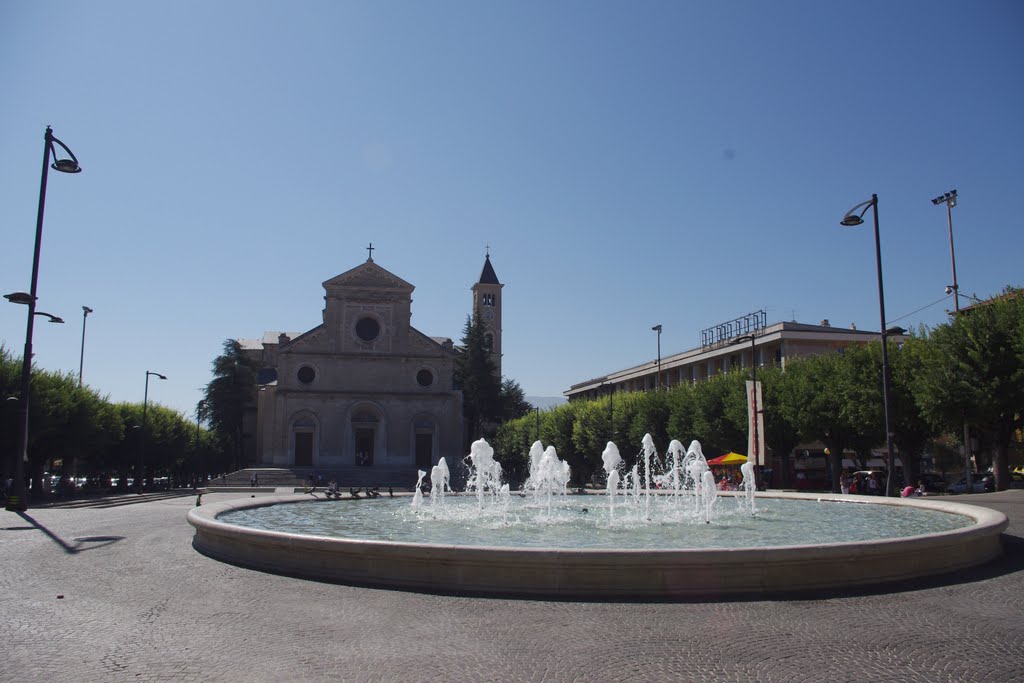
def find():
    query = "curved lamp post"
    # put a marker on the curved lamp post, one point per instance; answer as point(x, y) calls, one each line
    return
point(850, 220)
point(140, 476)
point(17, 499)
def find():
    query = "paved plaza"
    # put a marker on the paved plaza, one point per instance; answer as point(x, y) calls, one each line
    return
point(115, 592)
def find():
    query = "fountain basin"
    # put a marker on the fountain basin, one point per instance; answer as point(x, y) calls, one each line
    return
point(598, 574)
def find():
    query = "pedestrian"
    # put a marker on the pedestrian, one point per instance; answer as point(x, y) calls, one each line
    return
point(844, 483)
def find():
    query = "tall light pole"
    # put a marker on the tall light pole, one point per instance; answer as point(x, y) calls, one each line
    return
point(17, 499)
point(853, 219)
point(949, 199)
point(81, 358)
point(657, 382)
point(140, 476)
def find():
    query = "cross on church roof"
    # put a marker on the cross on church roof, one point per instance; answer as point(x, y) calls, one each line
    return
point(370, 250)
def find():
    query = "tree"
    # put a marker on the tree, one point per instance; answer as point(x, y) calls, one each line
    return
point(815, 402)
point(780, 433)
point(230, 395)
point(476, 373)
point(912, 431)
point(513, 400)
point(974, 371)
point(720, 412)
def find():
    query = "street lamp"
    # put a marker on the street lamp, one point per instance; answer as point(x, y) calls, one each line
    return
point(22, 298)
point(657, 382)
point(17, 500)
point(754, 455)
point(949, 199)
point(140, 476)
point(850, 220)
point(81, 358)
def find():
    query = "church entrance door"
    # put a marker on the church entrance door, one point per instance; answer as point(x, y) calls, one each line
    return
point(364, 446)
point(424, 451)
point(303, 449)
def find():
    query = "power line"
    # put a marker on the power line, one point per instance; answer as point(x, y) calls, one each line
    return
point(894, 320)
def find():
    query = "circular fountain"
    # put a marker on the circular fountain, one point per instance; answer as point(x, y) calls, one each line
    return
point(665, 532)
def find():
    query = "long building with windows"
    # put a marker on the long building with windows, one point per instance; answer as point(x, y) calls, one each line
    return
point(735, 344)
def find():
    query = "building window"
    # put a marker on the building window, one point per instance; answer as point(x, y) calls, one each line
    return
point(488, 300)
point(488, 342)
point(367, 329)
point(306, 374)
point(424, 378)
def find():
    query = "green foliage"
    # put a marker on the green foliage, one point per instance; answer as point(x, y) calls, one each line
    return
point(973, 370)
point(719, 412)
point(84, 432)
point(969, 369)
point(476, 373)
point(513, 400)
point(230, 395)
point(649, 417)
point(815, 401)
point(912, 432)
point(781, 435)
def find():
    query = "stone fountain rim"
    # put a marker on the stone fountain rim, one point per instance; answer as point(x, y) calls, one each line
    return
point(982, 517)
point(604, 573)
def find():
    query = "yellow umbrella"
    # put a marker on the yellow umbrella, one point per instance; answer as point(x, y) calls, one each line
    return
point(728, 459)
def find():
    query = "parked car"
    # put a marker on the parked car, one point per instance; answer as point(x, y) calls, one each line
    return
point(981, 483)
point(933, 483)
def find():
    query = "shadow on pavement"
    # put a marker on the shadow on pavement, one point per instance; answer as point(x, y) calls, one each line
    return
point(93, 541)
point(114, 500)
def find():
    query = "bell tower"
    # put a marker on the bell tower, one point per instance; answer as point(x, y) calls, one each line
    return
point(487, 305)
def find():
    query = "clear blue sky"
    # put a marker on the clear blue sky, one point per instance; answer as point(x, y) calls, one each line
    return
point(629, 164)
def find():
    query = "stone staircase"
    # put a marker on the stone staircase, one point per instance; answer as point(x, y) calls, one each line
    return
point(352, 476)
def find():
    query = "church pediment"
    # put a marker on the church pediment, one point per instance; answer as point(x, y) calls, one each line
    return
point(315, 339)
point(368, 275)
point(421, 343)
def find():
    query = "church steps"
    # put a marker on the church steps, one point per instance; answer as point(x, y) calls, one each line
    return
point(350, 476)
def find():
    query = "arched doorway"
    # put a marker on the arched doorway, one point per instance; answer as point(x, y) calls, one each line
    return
point(423, 442)
point(303, 440)
point(365, 425)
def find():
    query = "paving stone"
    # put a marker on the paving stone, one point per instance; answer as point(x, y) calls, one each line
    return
point(141, 605)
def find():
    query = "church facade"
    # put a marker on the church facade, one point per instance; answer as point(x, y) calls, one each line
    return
point(364, 388)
